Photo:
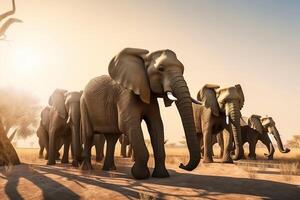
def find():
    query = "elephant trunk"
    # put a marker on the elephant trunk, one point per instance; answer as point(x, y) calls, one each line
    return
point(233, 110)
point(184, 106)
point(279, 142)
point(74, 114)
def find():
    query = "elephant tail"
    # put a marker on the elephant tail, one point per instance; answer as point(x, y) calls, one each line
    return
point(86, 130)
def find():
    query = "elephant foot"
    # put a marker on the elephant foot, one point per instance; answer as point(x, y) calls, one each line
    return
point(86, 165)
point(41, 156)
point(46, 156)
point(109, 168)
point(160, 172)
point(207, 160)
point(99, 158)
point(252, 157)
point(51, 162)
point(75, 163)
point(230, 161)
point(139, 171)
point(65, 161)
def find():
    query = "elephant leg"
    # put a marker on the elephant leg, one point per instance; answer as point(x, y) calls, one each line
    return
point(109, 161)
point(86, 164)
point(129, 151)
point(268, 143)
point(67, 143)
point(99, 141)
point(252, 154)
point(156, 131)
point(123, 149)
point(227, 137)
point(41, 149)
point(221, 144)
point(207, 143)
point(139, 169)
point(200, 138)
point(52, 148)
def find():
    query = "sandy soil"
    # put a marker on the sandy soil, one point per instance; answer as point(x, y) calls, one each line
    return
point(242, 180)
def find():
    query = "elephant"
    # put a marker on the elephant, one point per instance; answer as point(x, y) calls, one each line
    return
point(58, 127)
point(42, 134)
point(219, 112)
point(72, 104)
point(116, 104)
point(124, 141)
point(256, 128)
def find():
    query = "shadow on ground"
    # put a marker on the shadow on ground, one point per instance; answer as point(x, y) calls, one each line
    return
point(203, 186)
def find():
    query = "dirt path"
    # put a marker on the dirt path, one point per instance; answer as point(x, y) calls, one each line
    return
point(35, 180)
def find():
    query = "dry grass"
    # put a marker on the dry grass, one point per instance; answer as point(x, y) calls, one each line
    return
point(144, 196)
point(251, 172)
point(287, 170)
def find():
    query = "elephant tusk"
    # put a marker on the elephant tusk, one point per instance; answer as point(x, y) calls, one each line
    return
point(171, 96)
point(227, 119)
point(196, 101)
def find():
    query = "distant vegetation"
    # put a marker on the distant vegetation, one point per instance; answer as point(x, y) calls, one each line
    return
point(18, 112)
point(294, 142)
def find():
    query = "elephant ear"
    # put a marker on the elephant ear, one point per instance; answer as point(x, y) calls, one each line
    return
point(45, 117)
point(128, 69)
point(207, 95)
point(255, 123)
point(241, 94)
point(57, 101)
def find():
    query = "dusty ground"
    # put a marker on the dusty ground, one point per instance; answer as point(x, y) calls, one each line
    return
point(243, 180)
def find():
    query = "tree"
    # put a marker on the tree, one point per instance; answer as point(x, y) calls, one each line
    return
point(8, 155)
point(18, 112)
point(294, 142)
point(8, 22)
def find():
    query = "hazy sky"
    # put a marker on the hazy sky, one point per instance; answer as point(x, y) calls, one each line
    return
point(65, 43)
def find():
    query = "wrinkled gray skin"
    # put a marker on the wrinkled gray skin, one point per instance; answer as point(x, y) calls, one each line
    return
point(42, 134)
point(210, 119)
point(58, 127)
point(117, 104)
point(72, 105)
point(124, 141)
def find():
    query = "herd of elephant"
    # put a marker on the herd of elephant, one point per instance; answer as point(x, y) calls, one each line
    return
point(113, 106)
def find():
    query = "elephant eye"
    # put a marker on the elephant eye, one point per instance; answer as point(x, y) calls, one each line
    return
point(161, 68)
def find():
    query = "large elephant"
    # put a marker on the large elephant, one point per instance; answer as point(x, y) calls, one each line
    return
point(124, 141)
point(117, 104)
point(220, 112)
point(257, 128)
point(58, 127)
point(72, 104)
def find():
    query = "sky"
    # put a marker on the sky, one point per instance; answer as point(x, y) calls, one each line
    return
point(64, 44)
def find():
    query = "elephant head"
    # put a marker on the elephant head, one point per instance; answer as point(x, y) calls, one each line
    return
point(57, 101)
point(228, 101)
point(268, 125)
point(158, 74)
